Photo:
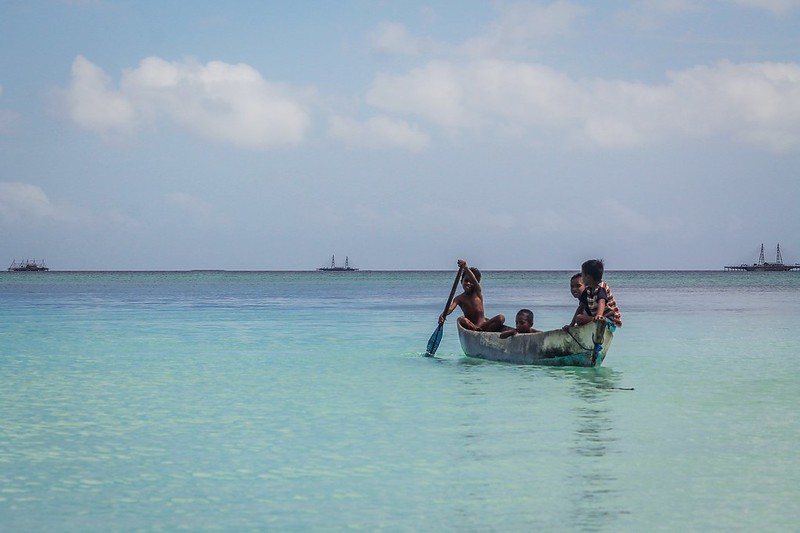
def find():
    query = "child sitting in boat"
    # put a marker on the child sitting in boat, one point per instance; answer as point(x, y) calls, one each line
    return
point(471, 303)
point(524, 324)
point(576, 285)
point(596, 301)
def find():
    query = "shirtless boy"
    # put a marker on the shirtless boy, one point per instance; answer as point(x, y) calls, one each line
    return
point(471, 303)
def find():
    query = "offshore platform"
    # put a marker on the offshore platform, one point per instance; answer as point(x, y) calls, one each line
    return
point(334, 268)
point(766, 266)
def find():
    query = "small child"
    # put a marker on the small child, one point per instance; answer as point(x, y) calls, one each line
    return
point(596, 301)
point(524, 324)
point(576, 285)
point(471, 303)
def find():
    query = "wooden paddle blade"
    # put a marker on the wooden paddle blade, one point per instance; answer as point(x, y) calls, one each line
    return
point(433, 342)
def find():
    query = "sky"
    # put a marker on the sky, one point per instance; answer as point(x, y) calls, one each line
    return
point(532, 135)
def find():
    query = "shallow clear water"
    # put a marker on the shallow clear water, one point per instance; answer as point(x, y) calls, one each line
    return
point(301, 401)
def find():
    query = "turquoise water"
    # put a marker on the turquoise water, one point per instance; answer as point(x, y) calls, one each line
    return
point(301, 402)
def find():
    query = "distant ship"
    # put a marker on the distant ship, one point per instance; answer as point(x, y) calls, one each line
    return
point(28, 265)
point(334, 268)
point(766, 266)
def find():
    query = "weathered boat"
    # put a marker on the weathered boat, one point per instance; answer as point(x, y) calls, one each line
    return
point(585, 345)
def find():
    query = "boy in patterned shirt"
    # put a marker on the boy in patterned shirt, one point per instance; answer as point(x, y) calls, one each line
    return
point(596, 301)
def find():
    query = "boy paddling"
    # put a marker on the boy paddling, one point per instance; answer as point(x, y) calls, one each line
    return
point(471, 303)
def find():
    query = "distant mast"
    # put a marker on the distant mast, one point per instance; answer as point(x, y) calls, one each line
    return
point(765, 266)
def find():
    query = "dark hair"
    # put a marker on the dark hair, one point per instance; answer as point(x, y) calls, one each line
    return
point(528, 314)
point(474, 271)
point(575, 276)
point(593, 267)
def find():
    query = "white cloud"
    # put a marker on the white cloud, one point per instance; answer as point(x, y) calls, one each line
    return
point(434, 92)
point(378, 132)
point(92, 104)
point(218, 101)
point(394, 39)
point(23, 202)
point(521, 23)
point(757, 103)
point(650, 14)
point(516, 28)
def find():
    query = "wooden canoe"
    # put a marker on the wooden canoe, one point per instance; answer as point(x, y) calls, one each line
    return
point(580, 346)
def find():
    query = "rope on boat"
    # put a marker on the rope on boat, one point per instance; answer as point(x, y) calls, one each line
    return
point(577, 341)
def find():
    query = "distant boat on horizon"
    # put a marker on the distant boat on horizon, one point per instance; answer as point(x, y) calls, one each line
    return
point(766, 266)
point(28, 265)
point(334, 268)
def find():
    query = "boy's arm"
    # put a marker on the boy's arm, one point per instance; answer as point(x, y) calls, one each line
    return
point(601, 309)
point(508, 333)
point(574, 316)
point(456, 303)
point(602, 298)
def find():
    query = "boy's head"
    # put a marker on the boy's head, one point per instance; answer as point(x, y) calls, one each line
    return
point(576, 285)
point(465, 282)
point(592, 271)
point(524, 320)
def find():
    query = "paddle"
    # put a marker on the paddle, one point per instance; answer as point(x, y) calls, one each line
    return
point(436, 338)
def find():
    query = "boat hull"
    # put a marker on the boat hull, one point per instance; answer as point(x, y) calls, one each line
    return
point(581, 346)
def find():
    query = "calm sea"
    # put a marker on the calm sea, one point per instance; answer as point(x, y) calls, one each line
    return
point(301, 401)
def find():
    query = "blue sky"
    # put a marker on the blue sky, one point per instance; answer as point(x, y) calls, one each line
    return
point(518, 135)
